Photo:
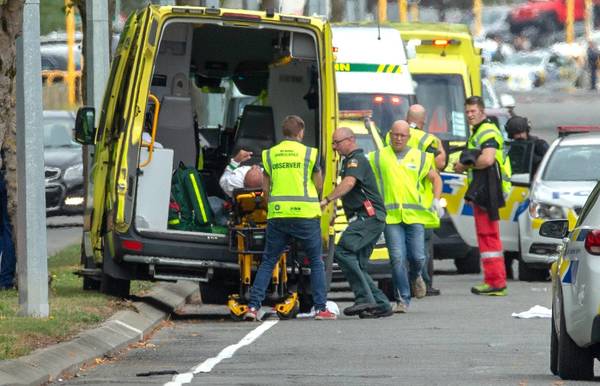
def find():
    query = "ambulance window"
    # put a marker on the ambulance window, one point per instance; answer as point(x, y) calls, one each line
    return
point(386, 108)
point(443, 96)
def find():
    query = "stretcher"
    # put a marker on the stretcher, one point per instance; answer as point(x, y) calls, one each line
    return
point(247, 239)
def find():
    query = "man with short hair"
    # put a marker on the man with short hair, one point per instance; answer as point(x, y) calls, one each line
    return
point(486, 144)
point(400, 172)
point(365, 212)
point(291, 185)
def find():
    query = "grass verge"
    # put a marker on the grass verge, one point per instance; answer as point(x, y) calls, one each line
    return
point(71, 309)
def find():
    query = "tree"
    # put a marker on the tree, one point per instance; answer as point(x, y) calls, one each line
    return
point(11, 18)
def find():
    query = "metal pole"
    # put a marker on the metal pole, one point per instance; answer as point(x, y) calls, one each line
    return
point(382, 10)
point(31, 211)
point(70, 27)
point(97, 66)
point(477, 15)
point(569, 21)
point(589, 17)
point(402, 10)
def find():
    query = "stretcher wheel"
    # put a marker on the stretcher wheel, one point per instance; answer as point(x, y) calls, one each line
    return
point(290, 315)
point(236, 318)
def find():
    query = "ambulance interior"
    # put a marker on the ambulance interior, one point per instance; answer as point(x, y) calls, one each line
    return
point(221, 88)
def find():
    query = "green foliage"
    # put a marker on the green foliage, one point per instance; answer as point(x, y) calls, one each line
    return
point(71, 309)
point(52, 16)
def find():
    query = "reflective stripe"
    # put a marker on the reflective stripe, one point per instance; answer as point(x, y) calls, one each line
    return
point(492, 254)
point(174, 221)
point(423, 156)
point(293, 198)
point(392, 206)
point(269, 161)
point(422, 142)
point(199, 198)
point(306, 165)
point(478, 136)
point(413, 207)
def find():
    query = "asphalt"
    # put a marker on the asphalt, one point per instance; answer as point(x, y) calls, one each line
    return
point(122, 329)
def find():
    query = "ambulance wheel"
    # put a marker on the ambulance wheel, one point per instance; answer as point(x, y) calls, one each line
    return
point(469, 263)
point(290, 315)
point(114, 287)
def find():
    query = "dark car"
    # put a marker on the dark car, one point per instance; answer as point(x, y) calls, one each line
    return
point(63, 165)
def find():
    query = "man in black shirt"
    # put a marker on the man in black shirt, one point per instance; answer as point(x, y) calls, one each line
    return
point(365, 211)
point(518, 129)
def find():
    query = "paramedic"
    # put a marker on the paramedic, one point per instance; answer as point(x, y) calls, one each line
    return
point(428, 143)
point(364, 209)
point(237, 177)
point(400, 172)
point(487, 141)
point(291, 185)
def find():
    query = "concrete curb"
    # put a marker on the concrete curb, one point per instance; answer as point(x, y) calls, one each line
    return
point(122, 329)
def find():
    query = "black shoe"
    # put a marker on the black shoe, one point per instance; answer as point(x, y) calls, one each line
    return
point(432, 291)
point(377, 313)
point(357, 308)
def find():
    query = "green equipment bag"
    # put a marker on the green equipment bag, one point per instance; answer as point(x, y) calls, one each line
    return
point(193, 210)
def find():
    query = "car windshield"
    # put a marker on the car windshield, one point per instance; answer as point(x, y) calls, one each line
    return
point(386, 108)
point(58, 132)
point(524, 60)
point(366, 142)
point(443, 97)
point(573, 163)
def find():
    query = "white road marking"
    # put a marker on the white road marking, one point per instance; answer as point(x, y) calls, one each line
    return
point(226, 353)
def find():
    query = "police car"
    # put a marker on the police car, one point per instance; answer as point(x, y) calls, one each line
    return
point(575, 339)
point(564, 179)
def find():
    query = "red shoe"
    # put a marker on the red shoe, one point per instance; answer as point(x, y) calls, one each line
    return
point(251, 314)
point(325, 315)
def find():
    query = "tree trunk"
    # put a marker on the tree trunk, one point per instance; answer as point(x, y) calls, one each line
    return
point(11, 21)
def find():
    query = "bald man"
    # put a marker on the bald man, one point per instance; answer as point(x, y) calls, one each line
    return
point(237, 177)
point(364, 209)
point(401, 171)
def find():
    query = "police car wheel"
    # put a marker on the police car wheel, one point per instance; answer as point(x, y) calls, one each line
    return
point(469, 263)
point(574, 362)
point(528, 273)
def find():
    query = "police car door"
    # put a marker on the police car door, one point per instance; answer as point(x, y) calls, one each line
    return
point(461, 213)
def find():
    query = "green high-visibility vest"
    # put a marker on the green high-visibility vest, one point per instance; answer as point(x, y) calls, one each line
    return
point(400, 182)
point(485, 132)
point(293, 193)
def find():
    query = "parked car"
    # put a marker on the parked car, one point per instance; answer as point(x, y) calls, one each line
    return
point(527, 70)
point(63, 165)
point(558, 191)
point(547, 16)
point(575, 327)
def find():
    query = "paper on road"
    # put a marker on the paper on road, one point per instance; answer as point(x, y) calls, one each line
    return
point(534, 312)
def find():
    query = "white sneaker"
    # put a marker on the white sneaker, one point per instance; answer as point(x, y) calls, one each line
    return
point(400, 308)
point(419, 288)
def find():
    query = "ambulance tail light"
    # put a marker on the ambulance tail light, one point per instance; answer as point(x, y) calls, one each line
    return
point(378, 99)
point(132, 245)
point(440, 42)
point(396, 100)
point(592, 242)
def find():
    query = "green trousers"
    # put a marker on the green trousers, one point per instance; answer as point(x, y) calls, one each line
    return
point(352, 254)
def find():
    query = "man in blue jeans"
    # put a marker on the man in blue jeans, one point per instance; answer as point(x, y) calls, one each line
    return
point(401, 172)
point(292, 180)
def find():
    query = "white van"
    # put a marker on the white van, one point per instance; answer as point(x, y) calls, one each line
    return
point(372, 73)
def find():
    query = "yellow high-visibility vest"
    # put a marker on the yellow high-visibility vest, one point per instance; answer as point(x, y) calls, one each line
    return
point(400, 182)
point(293, 193)
point(485, 132)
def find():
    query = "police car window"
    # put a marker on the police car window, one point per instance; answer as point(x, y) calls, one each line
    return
point(386, 108)
point(568, 163)
point(589, 205)
point(443, 97)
